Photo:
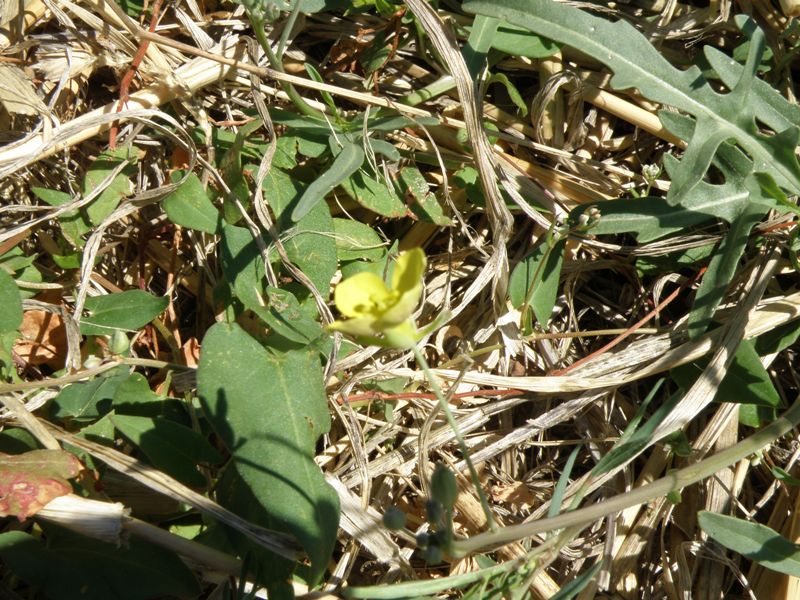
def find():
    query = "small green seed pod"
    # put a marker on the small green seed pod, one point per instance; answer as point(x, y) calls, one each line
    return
point(435, 511)
point(394, 518)
point(444, 488)
point(433, 555)
point(119, 343)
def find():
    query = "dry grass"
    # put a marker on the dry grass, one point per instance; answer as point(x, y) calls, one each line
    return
point(523, 402)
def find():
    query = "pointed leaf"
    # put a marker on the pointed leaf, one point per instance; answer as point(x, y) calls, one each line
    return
point(480, 40)
point(347, 162)
point(102, 206)
point(720, 271)
point(189, 206)
point(309, 242)
point(637, 64)
point(534, 281)
point(270, 410)
point(126, 311)
point(10, 303)
point(756, 542)
point(374, 195)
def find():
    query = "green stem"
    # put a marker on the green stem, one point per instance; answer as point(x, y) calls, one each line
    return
point(303, 106)
point(437, 88)
point(675, 481)
point(437, 390)
point(287, 29)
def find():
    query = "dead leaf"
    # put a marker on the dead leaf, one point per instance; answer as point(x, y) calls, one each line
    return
point(29, 481)
point(517, 495)
point(43, 339)
point(190, 351)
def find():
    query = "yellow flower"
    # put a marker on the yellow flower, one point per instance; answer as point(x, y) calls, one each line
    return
point(373, 308)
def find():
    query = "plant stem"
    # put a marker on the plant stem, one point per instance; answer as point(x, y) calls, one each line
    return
point(437, 390)
point(287, 29)
point(675, 481)
point(303, 106)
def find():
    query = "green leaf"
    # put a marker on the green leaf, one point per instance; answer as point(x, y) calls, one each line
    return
point(326, 96)
point(574, 587)
point(637, 64)
point(347, 162)
point(383, 147)
point(534, 281)
point(102, 206)
point(356, 240)
point(233, 171)
point(785, 477)
point(170, 446)
point(189, 206)
point(77, 568)
point(73, 223)
point(243, 267)
point(310, 242)
point(273, 572)
point(382, 122)
point(426, 207)
point(720, 270)
point(511, 89)
point(746, 382)
point(127, 311)
point(561, 485)
point(374, 195)
point(286, 318)
point(10, 303)
point(756, 542)
point(636, 439)
point(87, 401)
point(481, 34)
point(270, 410)
point(518, 41)
point(134, 394)
point(777, 339)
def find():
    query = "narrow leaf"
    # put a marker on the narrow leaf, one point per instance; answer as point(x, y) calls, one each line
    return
point(10, 303)
point(721, 270)
point(756, 542)
point(478, 44)
point(347, 162)
point(534, 281)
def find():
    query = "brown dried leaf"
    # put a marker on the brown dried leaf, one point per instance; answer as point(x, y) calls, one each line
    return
point(43, 339)
point(29, 481)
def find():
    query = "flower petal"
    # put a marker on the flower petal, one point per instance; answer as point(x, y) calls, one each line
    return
point(407, 285)
point(355, 327)
point(408, 270)
point(361, 295)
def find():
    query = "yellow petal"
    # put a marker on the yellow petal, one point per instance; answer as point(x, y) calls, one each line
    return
point(363, 294)
point(407, 285)
point(355, 327)
point(408, 270)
